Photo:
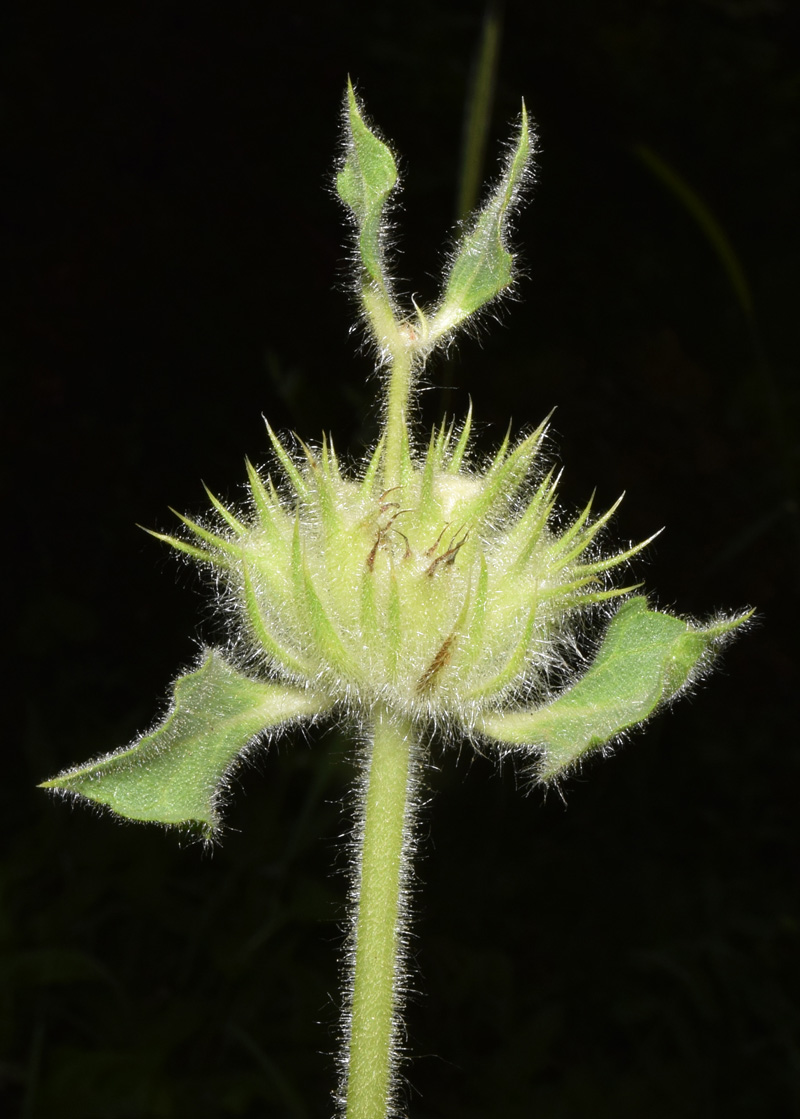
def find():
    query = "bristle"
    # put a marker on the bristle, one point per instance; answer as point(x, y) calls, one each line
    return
point(443, 437)
point(226, 515)
point(371, 473)
point(210, 538)
point(620, 557)
point(327, 504)
point(605, 596)
point(529, 529)
point(457, 457)
point(299, 483)
point(181, 545)
point(586, 535)
point(334, 460)
point(569, 534)
point(261, 499)
point(505, 476)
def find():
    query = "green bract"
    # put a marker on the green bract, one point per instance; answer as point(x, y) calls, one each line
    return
point(420, 591)
point(429, 596)
point(176, 774)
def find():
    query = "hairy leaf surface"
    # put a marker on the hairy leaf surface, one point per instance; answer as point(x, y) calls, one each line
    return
point(364, 184)
point(646, 658)
point(483, 266)
point(174, 774)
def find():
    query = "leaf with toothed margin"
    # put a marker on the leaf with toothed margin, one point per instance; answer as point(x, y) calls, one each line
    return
point(646, 658)
point(364, 184)
point(174, 774)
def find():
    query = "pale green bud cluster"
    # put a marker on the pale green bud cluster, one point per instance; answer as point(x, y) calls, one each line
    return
point(437, 596)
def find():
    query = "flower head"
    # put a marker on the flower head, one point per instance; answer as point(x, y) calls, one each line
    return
point(421, 586)
point(440, 597)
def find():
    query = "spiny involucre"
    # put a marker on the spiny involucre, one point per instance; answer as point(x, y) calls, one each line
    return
point(435, 596)
point(419, 584)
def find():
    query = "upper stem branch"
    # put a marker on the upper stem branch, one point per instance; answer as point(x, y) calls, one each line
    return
point(399, 346)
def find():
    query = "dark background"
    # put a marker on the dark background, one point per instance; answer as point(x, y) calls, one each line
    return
point(175, 266)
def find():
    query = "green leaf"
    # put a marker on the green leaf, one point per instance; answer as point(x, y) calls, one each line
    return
point(483, 267)
point(176, 774)
point(646, 658)
point(364, 184)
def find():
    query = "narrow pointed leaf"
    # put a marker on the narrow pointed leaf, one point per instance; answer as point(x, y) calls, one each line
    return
point(176, 774)
point(646, 659)
point(483, 267)
point(364, 184)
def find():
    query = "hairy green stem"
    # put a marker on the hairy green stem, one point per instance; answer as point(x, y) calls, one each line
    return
point(385, 838)
point(399, 345)
point(396, 410)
